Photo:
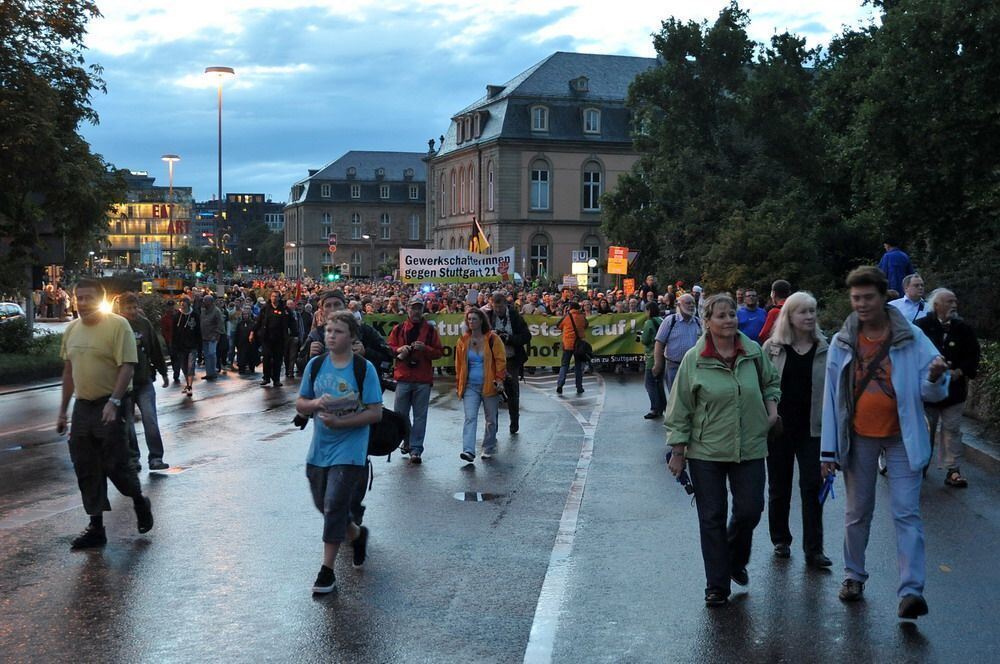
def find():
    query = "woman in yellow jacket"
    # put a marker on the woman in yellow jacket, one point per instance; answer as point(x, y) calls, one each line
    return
point(480, 369)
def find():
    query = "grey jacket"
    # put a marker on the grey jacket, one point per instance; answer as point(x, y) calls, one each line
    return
point(213, 323)
point(777, 354)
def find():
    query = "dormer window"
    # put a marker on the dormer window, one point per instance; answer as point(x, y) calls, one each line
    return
point(352, 172)
point(468, 127)
point(580, 84)
point(459, 131)
point(477, 125)
point(591, 121)
point(408, 174)
point(539, 118)
point(380, 172)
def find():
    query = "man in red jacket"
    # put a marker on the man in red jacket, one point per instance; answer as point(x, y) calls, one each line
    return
point(416, 344)
point(780, 290)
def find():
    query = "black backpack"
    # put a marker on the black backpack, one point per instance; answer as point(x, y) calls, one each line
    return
point(384, 437)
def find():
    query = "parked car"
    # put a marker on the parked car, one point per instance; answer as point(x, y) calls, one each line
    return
point(10, 311)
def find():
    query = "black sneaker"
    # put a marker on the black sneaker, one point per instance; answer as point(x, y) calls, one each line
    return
point(278, 383)
point(360, 548)
point(559, 389)
point(782, 551)
point(415, 458)
point(513, 428)
point(265, 382)
point(158, 465)
point(325, 581)
point(465, 456)
point(91, 537)
point(851, 590)
point(912, 607)
point(715, 598)
point(740, 576)
point(580, 391)
point(144, 515)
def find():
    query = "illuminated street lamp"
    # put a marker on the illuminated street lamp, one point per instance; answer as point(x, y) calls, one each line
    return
point(170, 159)
point(371, 238)
point(220, 74)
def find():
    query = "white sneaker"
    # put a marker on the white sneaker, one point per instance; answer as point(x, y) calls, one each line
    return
point(487, 455)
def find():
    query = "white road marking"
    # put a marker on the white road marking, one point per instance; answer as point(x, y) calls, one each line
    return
point(541, 641)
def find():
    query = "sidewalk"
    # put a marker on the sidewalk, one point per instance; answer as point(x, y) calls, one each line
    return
point(982, 445)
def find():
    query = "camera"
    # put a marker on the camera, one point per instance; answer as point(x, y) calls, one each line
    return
point(683, 478)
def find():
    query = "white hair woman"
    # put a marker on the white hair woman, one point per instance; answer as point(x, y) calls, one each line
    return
point(797, 349)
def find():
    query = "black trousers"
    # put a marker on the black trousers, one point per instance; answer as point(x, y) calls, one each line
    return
point(273, 353)
point(100, 453)
point(291, 350)
point(513, 388)
point(781, 457)
point(726, 549)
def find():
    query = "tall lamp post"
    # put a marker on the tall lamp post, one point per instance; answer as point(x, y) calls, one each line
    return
point(170, 159)
point(220, 74)
point(371, 238)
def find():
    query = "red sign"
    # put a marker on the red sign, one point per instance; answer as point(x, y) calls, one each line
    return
point(617, 260)
point(629, 285)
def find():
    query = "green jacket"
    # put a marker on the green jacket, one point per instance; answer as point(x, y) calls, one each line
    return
point(717, 412)
point(648, 338)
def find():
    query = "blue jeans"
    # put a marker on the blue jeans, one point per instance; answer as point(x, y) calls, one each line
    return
point(564, 369)
point(231, 355)
point(670, 375)
point(860, 475)
point(208, 350)
point(471, 400)
point(415, 397)
point(145, 399)
point(657, 393)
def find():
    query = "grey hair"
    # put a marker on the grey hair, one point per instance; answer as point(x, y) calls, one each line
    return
point(935, 294)
point(908, 278)
point(708, 306)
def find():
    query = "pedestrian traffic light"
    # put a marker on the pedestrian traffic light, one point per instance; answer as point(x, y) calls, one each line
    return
point(333, 273)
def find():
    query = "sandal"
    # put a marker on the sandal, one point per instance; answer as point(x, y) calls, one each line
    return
point(954, 478)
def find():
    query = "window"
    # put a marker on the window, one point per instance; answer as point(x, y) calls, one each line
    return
point(385, 224)
point(539, 256)
point(539, 118)
point(383, 258)
point(591, 121)
point(408, 173)
point(355, 226)
point(454, 193)
point(461, 242)
point(355, 263)
point(451, 243)
point(383, 191)
point(489, 185)
point(324, 191)
point(380, 172)
point(472, 189)
point(461, 189)
point(414, 192)
point(355, 191)
point(352, 172)
point(539, 186)
point(592, 245)
point(477, 125)
point(592, 186)
point(442, 210)
point(326, 226)
point(459, 129)
point(468, 127)
point(414, 226)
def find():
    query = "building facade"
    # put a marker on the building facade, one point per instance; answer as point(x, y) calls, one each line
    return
point(531, 159)
point(149, 226)
point(375, 203)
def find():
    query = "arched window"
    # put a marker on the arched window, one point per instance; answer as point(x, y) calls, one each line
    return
point(442, 209)
point(461, 242)
point(454, 193)
point(539, 185)
point(355, 226)
point(385, 223)
point(451, 243)
point(461, 189)
point(592, 186)
point(441, 243)
point(472, 189)
point(489, 185)
point(326, 226)
point(591, 121)
point(539, 118)
point(539, 256)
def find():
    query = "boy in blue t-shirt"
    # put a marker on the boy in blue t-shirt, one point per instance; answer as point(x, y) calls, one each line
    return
point(335, 464)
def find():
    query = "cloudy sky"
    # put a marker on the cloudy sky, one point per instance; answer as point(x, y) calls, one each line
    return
point(316, 78)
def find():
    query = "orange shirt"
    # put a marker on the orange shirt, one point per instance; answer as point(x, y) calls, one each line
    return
point(876, 415)
point(569, 326)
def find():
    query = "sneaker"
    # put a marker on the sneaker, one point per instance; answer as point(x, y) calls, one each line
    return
point(144, 515)
point(818, 560)
point(782, 551)
point(415, 458)
point(360, 546)
point(488, 454)
point(513, 429)
point(740, 576)
point(580, 391)
point(265, 382)
point(651, 415)
point(559, 389)
point(466, 456)
point(91, 537)
point(851, 590)
point(158, 465)
point(325, 581)
point(278, 383)
point(912, 607)
point(715, 598)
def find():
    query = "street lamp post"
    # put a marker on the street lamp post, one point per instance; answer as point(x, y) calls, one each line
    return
point(371, 238)
point(220, 74)
point(170, 159)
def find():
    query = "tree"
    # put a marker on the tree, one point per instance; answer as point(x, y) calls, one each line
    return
point(50, 181)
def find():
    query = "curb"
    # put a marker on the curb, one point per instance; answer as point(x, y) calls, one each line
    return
point(18, 389)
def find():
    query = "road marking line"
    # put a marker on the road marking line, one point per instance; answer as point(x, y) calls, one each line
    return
point(541, 641)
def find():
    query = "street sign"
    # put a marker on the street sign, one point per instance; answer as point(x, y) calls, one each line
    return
point(629, 286)
point(332, 248)
point(332, 239)
point(617, 260)
point(581, 256)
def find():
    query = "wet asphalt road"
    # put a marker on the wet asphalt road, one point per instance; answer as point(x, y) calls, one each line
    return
point(225, 574)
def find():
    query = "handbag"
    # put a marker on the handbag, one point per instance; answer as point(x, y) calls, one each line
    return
point(582, 350)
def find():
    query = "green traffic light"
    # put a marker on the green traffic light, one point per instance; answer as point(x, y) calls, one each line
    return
point(331, 277)
point(198, 274)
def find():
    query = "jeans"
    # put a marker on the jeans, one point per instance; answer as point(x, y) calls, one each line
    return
point(208, 350)
point(950, 419)
point(145, 399)
point(656, 391)
point(670, 375)
point(564, 369)
point(726, 549)
point(781, 457)
point(471, 401)
point(231, 355)
point(513, 387)
point(332, 488)
point(860, 474)
point(100, 453)
point(415, 397)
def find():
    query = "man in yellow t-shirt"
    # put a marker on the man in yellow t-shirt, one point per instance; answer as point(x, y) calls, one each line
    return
point(100, 356)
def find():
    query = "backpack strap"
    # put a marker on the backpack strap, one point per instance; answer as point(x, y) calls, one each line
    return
point(360, 372)
point(314, 371)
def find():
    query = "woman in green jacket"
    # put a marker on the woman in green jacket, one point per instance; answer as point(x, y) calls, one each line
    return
point(723, 402)
point(654, 384)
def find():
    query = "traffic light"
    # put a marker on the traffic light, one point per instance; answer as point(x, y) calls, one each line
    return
point(198, 274)
point(332, 273)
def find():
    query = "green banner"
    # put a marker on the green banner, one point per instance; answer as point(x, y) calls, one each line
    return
point(615, 337)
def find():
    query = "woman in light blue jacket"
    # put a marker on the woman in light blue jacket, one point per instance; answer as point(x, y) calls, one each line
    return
point(880, 369)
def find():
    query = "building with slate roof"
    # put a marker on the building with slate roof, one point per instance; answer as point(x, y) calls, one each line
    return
point(531, 158)
point(375, 203)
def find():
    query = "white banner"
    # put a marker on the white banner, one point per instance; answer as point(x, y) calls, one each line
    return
point(453, 266)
